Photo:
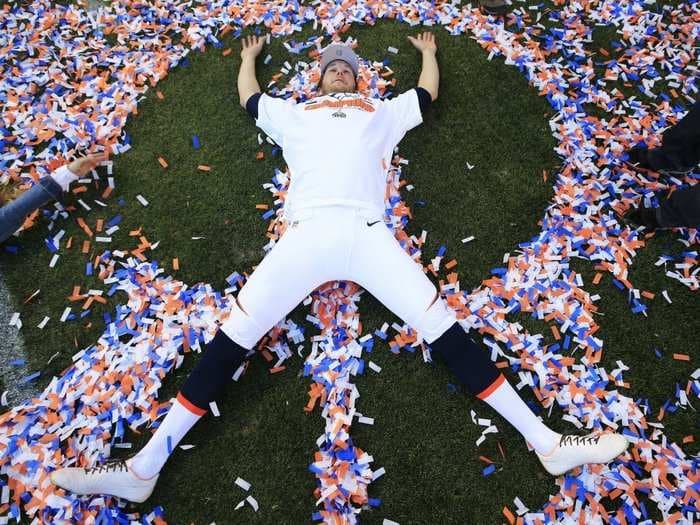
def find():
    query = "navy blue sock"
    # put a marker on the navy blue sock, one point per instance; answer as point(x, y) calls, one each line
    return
point(469, 362)
point(214, 371)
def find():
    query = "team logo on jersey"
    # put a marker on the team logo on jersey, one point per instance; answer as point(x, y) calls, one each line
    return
point(353, 102)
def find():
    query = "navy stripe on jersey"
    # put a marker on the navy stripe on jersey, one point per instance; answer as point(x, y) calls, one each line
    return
point(424, 99)
point(251, 106)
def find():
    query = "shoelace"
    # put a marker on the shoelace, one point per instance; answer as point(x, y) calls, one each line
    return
point(578, 440)
point(115, 465)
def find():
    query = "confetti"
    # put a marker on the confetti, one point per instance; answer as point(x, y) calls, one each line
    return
point(242, 483)
point(580, 222)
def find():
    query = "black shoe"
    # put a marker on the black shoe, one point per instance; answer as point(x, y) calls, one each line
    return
point(638, 157)
point(643, 217)
point(641, 158)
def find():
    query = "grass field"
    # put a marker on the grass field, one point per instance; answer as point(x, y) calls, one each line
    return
point(487, 116)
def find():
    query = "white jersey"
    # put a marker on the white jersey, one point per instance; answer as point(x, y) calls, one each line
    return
point(338, 147)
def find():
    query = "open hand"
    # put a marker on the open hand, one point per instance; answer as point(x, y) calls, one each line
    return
point(252, 45)
point(424, 42)
point(82, 166)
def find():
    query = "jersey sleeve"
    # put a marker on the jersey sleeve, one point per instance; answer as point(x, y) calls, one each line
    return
point(274, 116)
point(404, 113)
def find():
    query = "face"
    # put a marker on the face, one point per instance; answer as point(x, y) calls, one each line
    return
point(338, 78)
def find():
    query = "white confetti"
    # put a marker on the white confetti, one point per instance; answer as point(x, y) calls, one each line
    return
point(242, 483)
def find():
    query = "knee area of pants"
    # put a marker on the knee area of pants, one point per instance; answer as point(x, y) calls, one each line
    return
point(451, 340)
point(225, 351)
point(436, 321)
point(242, 328)
point(455, 343)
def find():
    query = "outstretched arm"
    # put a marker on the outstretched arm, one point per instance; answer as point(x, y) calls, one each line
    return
point(430, 74)
point(247, 83)
point(12, 215)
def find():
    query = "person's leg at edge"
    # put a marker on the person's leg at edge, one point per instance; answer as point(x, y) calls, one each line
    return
point(681, 209)
point(680, 144)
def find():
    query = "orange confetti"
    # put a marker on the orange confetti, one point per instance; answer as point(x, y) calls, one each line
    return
point(160, 95)
point(509, 515)
point(648, 295)
point(688, 439)
point(162, 162)
point(226, 52)
point(451, 264)
point(260, 155)
point(597, 277)
point(261, 206)
point(203, 167)
point(176, 264)
point(555, 332)
point(681, 357)
point(277, 369)
point(85, 227)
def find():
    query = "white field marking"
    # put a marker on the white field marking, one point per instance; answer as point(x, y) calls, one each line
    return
point(11, 348)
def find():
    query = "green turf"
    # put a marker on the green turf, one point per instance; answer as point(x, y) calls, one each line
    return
point(485, 115)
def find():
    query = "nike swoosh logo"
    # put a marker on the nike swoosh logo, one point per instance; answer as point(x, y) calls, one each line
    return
point(372, 223)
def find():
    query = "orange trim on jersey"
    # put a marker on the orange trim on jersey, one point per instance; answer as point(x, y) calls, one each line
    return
point(337, 104)
point(189, 406)
point(486, 392)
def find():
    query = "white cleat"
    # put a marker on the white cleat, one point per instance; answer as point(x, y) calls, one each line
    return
point(114, 478)
point(574, 451)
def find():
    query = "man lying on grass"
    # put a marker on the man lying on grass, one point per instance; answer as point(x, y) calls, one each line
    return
point(336, 146)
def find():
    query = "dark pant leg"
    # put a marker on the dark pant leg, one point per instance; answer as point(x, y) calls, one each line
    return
point(13, 214)
point(680, 149)
point(681, 209)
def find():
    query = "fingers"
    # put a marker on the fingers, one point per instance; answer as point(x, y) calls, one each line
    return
point(93, 159)
point(425, 37)
point(252, 41)
point(97, 157)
